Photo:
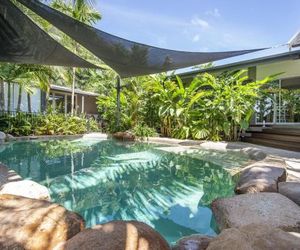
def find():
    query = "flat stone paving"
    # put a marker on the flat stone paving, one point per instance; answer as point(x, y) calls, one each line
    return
point(291, 158)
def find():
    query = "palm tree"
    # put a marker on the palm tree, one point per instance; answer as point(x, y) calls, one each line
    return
point(30, 77)
point(8, 73)
point(83, 11)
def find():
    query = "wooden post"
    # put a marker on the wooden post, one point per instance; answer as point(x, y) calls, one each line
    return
point(82, 104)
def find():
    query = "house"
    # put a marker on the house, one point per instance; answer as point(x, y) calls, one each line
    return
point(59, 99)
point(277, 116)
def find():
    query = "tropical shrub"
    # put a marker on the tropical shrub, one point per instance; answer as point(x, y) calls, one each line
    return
point(23, 124)
point(226, 105)
point(142, 131)
point(210, 107)
point(107, 108)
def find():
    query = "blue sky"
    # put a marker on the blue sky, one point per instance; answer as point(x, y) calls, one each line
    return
point(202, 25)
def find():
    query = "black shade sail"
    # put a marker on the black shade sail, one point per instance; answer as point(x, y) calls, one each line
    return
point(22, 41)
point(125, 57)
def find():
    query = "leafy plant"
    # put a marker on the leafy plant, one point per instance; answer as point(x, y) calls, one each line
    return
point(50, 124)
point(143, 131)
point(210, 107)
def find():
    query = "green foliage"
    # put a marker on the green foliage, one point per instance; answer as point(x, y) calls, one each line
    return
point(210, 107)
point(50, 124)
point(143, 131)
point(107, 108)
point(18, 125)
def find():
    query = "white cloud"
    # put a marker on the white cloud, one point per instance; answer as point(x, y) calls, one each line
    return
point(214, 13)
point(196, 38)
point(200, 22)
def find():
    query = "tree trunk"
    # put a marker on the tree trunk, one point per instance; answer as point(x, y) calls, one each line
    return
point(73, 92)
point(29, 102)
point(8, 96)
point(235, 133)
point(2, 95)
point(19, 98)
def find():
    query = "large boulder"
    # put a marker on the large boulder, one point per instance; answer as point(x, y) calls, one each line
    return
point(290, 190)
point(10, 137)
point(255, 237)
point(118, 235)
point(254, 153)
point(2, 137)
point(26, 188)
point(262, 176)
point(124, 136)
point(7, 175)
point(35, 224)
point(193, 242)
point(262, 208)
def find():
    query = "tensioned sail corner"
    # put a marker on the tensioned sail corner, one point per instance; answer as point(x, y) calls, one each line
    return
point(125, 57)
point(22, 41)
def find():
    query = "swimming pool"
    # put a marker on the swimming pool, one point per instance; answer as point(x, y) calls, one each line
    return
point(105, 180)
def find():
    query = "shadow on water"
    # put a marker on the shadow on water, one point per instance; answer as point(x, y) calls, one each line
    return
point(106, 180)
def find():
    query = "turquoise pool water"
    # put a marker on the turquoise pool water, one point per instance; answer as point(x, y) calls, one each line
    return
point(107, 180)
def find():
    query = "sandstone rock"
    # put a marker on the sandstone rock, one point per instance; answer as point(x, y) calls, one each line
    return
point(290, 190)
point(118, 235)
point(255, 153)
point(124, 136)
point(26, 188)
point(255, 237)
point(7, 175)
point(10, 137)
point(35, 224)
point(262, 208)
point(2, 136)
point(262, 176)
point(193, 242)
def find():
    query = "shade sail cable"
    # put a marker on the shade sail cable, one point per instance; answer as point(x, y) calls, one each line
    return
point(125, 57)
point(22, 41)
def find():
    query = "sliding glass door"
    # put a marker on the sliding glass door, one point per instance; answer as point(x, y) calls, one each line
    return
point(280, 103)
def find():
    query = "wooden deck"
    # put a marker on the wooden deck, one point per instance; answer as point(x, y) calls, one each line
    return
point(285, 137)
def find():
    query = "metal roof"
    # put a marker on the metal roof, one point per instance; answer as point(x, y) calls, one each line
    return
point(69, 90)
point(269, 55)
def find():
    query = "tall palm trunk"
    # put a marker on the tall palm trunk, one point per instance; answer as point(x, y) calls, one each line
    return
point(8, 97)
point(29, 102)
point(19, 98)
point(1, 95)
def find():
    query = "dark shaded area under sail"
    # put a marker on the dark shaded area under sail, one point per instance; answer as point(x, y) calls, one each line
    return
point(24, 42)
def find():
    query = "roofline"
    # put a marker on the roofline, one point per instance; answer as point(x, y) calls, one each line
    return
point(248, 63)
point(69, 90)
